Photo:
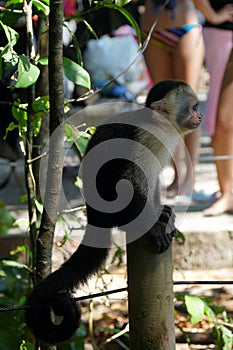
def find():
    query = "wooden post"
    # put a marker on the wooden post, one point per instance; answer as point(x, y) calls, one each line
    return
point(150, 285)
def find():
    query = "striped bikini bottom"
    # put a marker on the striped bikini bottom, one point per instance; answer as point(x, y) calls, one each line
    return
point(169, 38)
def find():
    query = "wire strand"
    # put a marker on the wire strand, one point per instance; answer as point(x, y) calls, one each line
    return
point(113, 291)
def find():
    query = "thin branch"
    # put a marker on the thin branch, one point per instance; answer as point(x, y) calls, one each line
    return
point(29, 161)
point(10, 10)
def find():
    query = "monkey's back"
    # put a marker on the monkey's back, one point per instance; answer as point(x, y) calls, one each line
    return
point(121, 158)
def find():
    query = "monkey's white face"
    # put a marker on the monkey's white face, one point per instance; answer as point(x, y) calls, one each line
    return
point(181, 108)
point(191, 119)
point(188, 115)
point(195, 117)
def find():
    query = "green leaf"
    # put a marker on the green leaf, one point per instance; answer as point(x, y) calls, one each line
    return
point(227, 338)
point(26, 346)
point(27, 73)
point(0, 66)
point(41, 104)
point(37, 123)
point(78, 182)
point(44, 60)
point(41, 107)
point(12, 126)
point(14, 2)
point(19, 111)
point(11, 35)
point(79, 138)
point(71, 132)
point(209, 312)
point(75, 44)
point(11, 17)
point(13, 263)
point(9, 58)
point(39, 206)
point(122, 2)
point(118, 257)
point(179, 237)
point(21, 248)
point(6, 219)
point(81, 331)
point(47, 2)
point(82, 142)
point(195, 307)
point(89, 27)
point(91, 130)
point(25, 61)
point(23, 198)
point(224, 337)
point(4, 51)
point(76, 73)
point(41, 7)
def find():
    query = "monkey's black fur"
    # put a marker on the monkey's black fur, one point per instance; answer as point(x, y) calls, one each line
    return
point(55, 291)
point(161, 89)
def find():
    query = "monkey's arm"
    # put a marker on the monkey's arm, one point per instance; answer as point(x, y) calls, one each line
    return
point(164, 230)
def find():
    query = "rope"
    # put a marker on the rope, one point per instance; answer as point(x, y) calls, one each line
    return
point(113, 291)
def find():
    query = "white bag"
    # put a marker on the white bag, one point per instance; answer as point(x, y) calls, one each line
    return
point(107, 57)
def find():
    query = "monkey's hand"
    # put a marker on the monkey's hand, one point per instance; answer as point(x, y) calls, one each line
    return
point(47, 296)
point(163, 231)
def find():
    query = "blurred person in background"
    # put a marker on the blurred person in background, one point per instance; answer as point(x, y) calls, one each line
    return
point(176, 51)
point(218, 36)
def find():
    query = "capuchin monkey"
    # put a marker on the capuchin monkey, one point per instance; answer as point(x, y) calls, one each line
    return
point(126, 155)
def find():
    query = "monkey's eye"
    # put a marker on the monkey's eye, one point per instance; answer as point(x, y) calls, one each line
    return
point(195, 107)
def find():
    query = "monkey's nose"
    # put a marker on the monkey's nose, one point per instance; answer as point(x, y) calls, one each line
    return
point(199, 118)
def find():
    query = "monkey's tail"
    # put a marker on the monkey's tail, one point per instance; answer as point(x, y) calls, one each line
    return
point(42, 317)
point(52, 296)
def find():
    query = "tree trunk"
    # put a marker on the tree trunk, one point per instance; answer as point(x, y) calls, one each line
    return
point(151, 311)
point(56, 147)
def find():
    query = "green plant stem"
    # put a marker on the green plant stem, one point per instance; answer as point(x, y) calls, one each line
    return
point(29, 176)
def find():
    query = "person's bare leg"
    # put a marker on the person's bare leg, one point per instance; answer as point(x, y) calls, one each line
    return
point(192, 142)
point(184, 63)
point(188, 61)
point(223, 145)
point(160, 66)
point(159, 63)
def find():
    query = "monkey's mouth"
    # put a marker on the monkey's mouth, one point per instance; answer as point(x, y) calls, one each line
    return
point(195, 122)
point(195, 125)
